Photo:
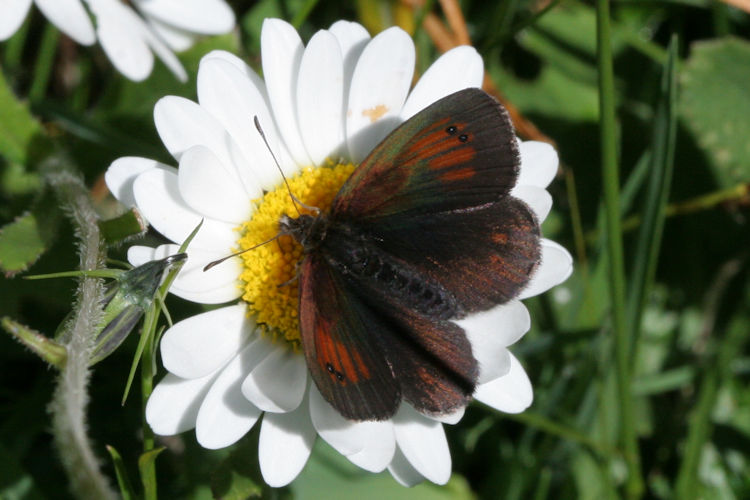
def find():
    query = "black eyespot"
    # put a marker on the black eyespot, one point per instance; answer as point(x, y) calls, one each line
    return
point(451, 130)
point(463, 137)
point(329, 367)
point(339, 376)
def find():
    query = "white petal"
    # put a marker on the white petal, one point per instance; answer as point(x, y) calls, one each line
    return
point(378, 90)
point(14, 12)
point(163, 52)
point(229, 93)
point(121, 34)
point(203, 343)
point(537, 198)
point(556, 267)
point(350, 35)
point(286, 441)
point(352, 38)
point(403, 472)
point(379, 449)
point(158, 198)
point(278, 383)
point(490, 332)
point(182, 124)
point(216, 286)
point(423, 443)
point(173, 406)
point(503, 324)
point(122, 173)
point(175, 38)
point(70, 17)
point(450, 418)
point(511, 393)
point(139, 255)
point(226, 415)
point(539, 164)
point(332, 426)
point(209, 190)
point(240, 65)
point(281, 51)
point(368, 444)
point(207, 17)
point(320, 98)
point(459, 68)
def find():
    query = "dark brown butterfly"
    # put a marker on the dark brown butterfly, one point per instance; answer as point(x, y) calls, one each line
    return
point(423, 232)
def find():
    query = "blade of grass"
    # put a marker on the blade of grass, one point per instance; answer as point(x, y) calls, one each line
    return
point(561, 431)
point(654, 212)
point(123, 481)
point(45, 61)
point(719, 369)
point(610, 176)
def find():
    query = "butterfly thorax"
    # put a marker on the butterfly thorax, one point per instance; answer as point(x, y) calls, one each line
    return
point(308, 230)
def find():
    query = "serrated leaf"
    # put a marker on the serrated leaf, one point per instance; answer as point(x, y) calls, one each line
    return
point(17, 126)
point(716, 103)
point(22, 242)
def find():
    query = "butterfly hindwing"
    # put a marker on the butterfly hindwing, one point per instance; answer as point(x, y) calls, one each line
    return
point(484, 256)
point(459, 152)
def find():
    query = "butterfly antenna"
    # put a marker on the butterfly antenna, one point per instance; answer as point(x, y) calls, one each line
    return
point(217, 262)
point(297, 202)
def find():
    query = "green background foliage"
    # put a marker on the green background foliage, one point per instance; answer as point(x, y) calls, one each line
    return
point(681, 139)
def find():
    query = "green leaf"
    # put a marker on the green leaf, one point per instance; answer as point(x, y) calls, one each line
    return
point(123, 481)
point(23, 241)
point(119, 229)
point(715, 103)
point(146, 464)
point(47, 349)
point(657, 194)
point(18, 127)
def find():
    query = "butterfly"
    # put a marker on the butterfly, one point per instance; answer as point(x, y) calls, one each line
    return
point(423, 232)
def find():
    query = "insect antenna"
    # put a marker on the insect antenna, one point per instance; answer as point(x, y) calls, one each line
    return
point(296, 201)
point(217, 262)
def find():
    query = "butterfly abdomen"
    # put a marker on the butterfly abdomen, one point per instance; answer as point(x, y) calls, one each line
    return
point(371, 269)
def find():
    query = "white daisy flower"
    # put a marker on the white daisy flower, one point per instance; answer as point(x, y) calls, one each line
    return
point(335, 98)
point(130, 33)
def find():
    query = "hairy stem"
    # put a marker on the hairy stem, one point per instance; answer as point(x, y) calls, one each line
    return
point(69, 402)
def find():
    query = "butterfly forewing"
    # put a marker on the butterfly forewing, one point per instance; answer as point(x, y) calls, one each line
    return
point(459, 152)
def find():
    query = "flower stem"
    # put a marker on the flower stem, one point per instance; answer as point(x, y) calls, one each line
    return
point(148, 470)
point(610, 177)
point(68, 406)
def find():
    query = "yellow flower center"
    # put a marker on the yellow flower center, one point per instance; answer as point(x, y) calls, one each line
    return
point(270, 271)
